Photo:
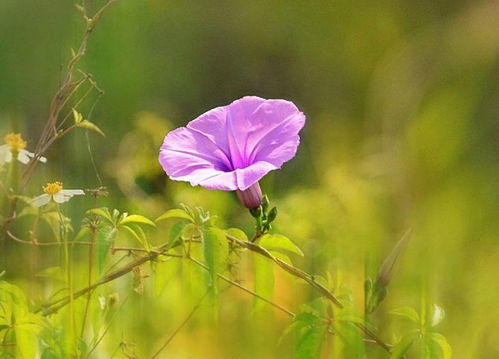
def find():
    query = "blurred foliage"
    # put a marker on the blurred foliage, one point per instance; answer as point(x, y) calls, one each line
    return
point(401, 99)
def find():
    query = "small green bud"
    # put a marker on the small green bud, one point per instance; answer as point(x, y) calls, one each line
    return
point(265, 203)
point(256, 212)
point(271, 216)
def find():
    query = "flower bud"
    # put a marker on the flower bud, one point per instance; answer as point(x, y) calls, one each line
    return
point(251, 197)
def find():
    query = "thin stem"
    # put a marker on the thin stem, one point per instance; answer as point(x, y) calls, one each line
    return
point(45, 244)
point(90, 267)
point(97, 342)
point(179, 328)
point(67, 265)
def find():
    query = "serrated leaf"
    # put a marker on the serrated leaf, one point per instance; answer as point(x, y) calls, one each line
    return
point(403, 346)
point(443, 345)
point(216, 249)
point(90, 126)
point(280, 243)
point(105, 238)
point(407, 312)
point(175, 213)
point(136, 218)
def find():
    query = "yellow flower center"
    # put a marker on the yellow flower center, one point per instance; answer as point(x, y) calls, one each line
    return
point(52, 188)
point(15, 141)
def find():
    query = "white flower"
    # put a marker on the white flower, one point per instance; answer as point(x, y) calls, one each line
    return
point(54, 191)
point(14, 143)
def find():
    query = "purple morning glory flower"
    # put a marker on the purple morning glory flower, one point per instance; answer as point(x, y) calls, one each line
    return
point(232, 147)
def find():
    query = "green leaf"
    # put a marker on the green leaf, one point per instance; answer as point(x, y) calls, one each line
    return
point(82, 233)
point(271, 216)
point(26, 343)
point(280, 243)
point(90, 126)
point(443, 345)
point(175, 232)
point(105, 238)
point(136, 218)
point(101, 212)
point(385, 272)
point(77, 117)
point(237, 233)
point(408, 313)
point(216, 249)
point(190, 231)
point(283, 257)
point(305, 319)
point(175, 213)
point(403, 346)
point(310, 342)
point(25, 325)
point(139, 237)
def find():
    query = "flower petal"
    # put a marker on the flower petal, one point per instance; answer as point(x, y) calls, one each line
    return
point(23, 157)
point(241, 178)
point(251, 129)
point(72, 192)
point(5, 154)
point(61, 197)
point(248, 176)
point(32, 155)
point(225, 181)
point(187, 155)
point(275, 137)
point(40, 200)
point(228, 126)
point(233, 146)
point(65, 195)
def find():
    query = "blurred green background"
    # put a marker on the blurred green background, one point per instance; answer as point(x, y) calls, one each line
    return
point(402, 102)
